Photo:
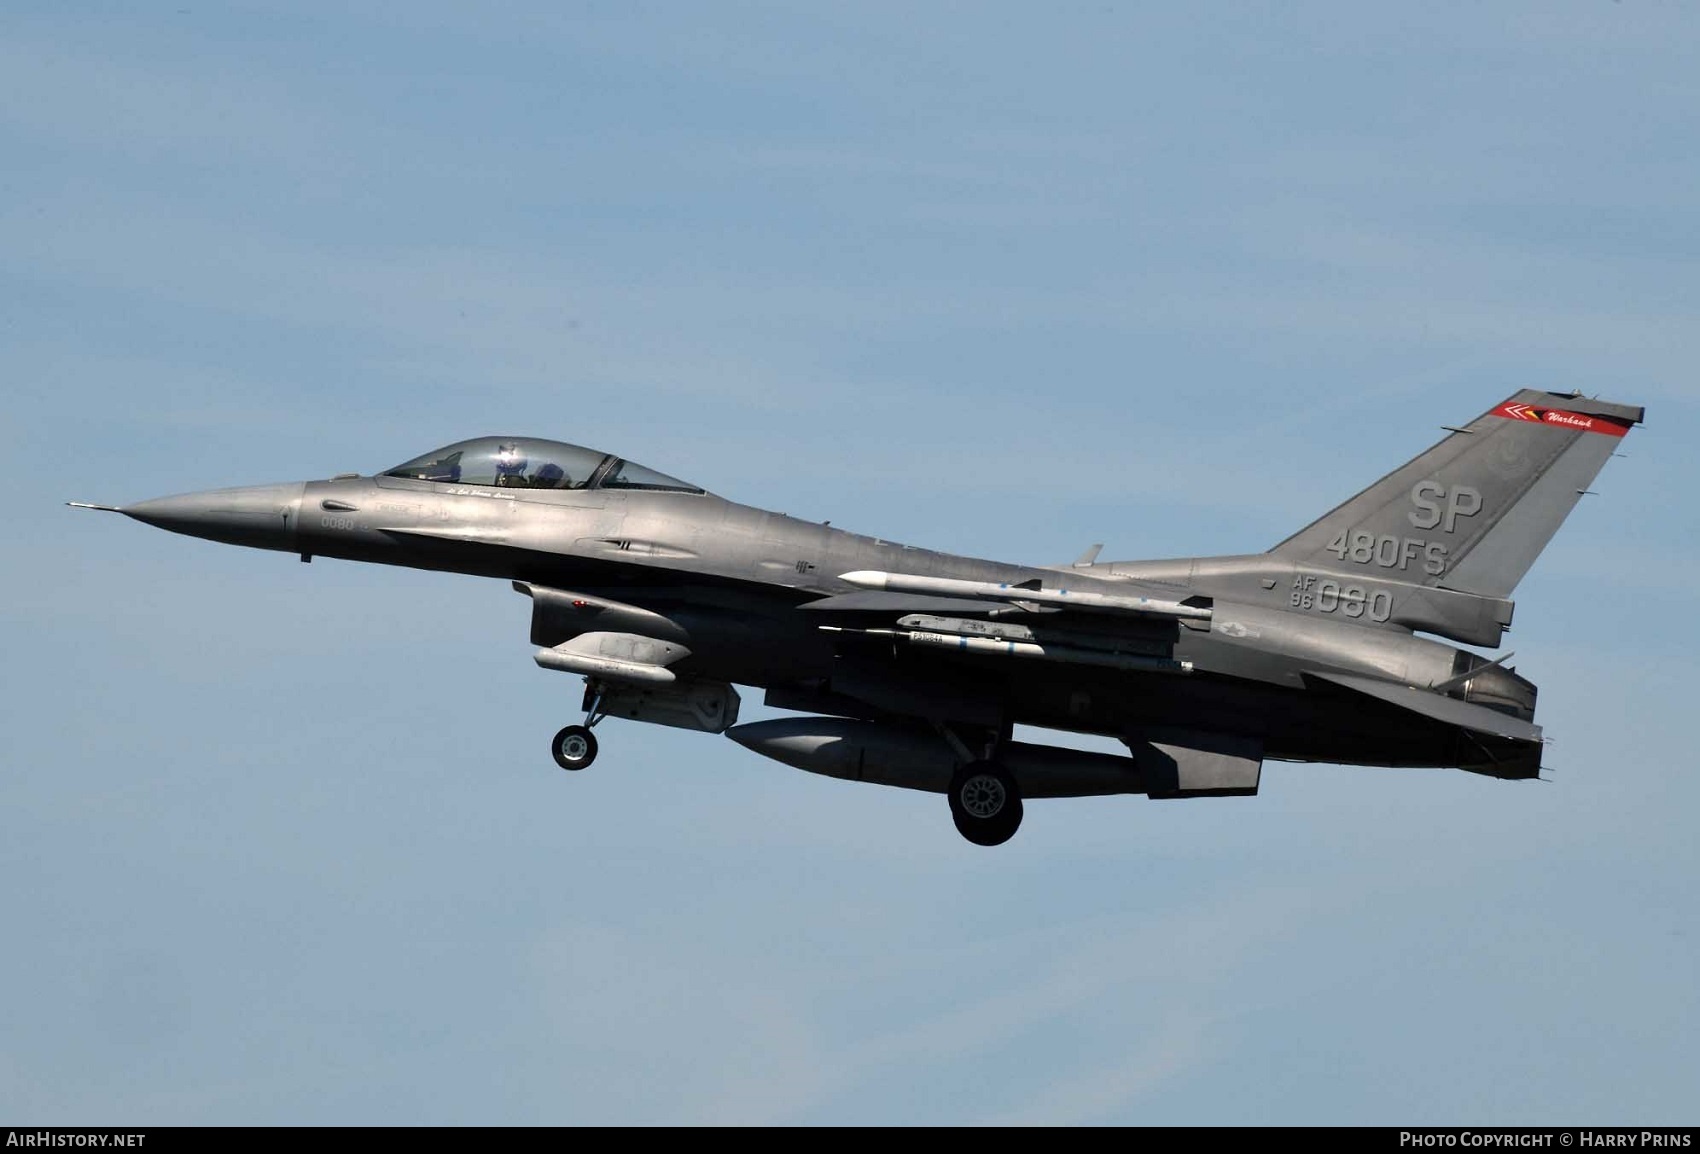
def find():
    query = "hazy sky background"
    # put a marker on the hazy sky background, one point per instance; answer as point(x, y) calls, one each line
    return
point(284, 844)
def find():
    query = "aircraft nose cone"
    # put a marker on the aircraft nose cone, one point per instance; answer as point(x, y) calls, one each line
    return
point(261, 516)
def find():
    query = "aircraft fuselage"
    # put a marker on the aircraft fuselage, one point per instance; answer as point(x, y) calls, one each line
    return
point(735, 578)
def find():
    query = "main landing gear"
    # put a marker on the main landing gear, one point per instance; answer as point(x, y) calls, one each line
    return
point(985, 802)
point(575, 746)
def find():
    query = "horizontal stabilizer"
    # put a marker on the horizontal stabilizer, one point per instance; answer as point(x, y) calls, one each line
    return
point(1446, 710)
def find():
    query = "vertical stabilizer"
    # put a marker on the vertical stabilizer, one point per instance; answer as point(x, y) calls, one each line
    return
point(1473, 513)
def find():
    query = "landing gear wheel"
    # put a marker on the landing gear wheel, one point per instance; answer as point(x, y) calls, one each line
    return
point(574, 747)
point(985, 803)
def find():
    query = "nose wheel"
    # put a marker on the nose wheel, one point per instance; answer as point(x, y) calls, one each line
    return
point(575, 746)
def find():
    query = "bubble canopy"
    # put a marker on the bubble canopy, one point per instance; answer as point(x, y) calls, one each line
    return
point(528, 463)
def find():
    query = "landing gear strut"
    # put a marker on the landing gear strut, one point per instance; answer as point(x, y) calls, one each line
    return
point(575, 746)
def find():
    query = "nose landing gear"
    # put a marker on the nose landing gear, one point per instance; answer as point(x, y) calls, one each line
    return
point(574, 747)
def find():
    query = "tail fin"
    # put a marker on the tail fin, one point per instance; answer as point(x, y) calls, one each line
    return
point(1474, 512)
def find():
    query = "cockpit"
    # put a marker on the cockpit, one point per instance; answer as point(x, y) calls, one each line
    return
point(525, 463)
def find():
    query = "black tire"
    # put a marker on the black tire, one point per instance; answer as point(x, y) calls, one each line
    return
point(985, 803)
point(574, 747)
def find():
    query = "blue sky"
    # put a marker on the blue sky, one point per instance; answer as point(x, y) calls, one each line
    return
point(988, 278)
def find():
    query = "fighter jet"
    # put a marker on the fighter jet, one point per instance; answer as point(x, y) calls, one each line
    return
point(911, 668)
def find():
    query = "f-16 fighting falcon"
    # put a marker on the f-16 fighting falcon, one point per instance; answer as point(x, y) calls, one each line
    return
point(911, 668)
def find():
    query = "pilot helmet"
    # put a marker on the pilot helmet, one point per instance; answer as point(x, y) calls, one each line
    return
point(510, 461)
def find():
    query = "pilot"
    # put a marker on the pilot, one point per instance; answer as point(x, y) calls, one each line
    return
point(510, 466)
point(549, 476)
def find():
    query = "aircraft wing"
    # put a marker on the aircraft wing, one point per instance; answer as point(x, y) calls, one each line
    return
point(880, 601)
point(1447, 710)
point(1029, 593)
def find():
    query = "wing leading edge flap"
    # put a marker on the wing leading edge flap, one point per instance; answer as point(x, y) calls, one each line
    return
point(1447, 710)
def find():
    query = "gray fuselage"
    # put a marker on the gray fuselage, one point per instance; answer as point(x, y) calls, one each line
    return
point(735, 578)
